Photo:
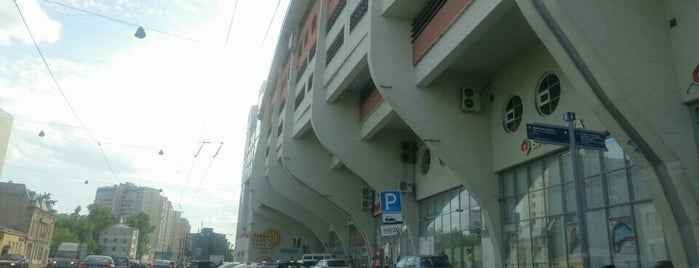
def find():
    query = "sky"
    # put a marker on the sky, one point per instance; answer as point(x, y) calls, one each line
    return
point(117, 100)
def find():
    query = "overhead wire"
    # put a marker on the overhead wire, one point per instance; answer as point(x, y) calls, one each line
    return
point(119, 20)
point(211, 163)
point(274, 15)
point(191, 167)
point(230, 25)
point(60, 89)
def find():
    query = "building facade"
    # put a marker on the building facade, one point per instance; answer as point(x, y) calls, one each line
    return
point(437, 100)
point(118, 240)
point(28, 212)
point(207, 245)
point(12, 241)
point(127, 198)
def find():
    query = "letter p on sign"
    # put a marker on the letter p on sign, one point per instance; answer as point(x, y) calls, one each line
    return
point(390, 201)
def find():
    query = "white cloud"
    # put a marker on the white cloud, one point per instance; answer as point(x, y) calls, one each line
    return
point(43, 28)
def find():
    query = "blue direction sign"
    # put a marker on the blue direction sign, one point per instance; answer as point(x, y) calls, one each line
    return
point(390, 201)
point(593, 140)
point(552, 134)
point(549, 134)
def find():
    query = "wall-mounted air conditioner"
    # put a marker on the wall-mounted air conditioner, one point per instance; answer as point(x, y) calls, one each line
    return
point(470, 100)
point(405, 186)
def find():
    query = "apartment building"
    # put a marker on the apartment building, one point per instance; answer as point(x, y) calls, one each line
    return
point(127, 198)
point(437, 100)
point(118, 240)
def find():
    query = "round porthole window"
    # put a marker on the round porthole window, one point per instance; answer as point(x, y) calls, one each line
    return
point(512, 116)
point(425, 164)
point(548, 93)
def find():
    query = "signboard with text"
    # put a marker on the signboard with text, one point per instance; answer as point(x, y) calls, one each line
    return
point(390, 201)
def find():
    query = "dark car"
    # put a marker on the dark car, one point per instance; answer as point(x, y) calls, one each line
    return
point(423, 262)
point(282, 264)
point(97, 261)
point(13, 260)
point(202, 264)
point(121, 261)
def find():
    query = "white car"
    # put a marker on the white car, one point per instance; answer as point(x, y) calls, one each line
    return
point(332, 263)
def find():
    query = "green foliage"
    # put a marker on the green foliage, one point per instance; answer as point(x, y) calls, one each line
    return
point(80, 228)
point(141, 221)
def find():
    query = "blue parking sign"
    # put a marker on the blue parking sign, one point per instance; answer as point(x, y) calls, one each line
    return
point(390, 201)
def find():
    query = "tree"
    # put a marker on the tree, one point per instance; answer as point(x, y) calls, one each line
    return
point(99, 217)
point(141, 221)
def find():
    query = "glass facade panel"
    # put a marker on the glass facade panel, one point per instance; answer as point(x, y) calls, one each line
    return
point(590, 161)
point(552, 172)
point(537, 176)
point(522, 179)
point(454, 230)
point(622, 237)
point(651, 241)
point(557, 242)
point(597, 238)
point(522, 208)
point(617, 187)
point(614, 157)
point(566, 167)
point(540, 241)
point(540, 225)
point(569, 197)
point(594, 194)
point(554, 198)
point(510, 236)
point(524, 244)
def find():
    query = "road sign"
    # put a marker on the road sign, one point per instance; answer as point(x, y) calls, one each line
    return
point(588, 139)
point(550, 134)
point(391, 229)
point(390, 201)
point(392, 218)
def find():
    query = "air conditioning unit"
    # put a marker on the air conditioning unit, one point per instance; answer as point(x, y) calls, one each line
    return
point(470, 100)
point(407, 152)
point(405, 186)
point(367, 199)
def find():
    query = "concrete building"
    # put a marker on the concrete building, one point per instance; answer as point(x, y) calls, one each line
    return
point(433, 99)
point(118, 240)
point(12, 241)
point(26, 212)
point(126, 199)
point(207, 243)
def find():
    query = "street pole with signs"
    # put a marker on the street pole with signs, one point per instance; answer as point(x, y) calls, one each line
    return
point(574, 139)
point(579, 194)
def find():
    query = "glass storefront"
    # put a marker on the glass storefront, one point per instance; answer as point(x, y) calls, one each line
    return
point(539, 219)
point(452, 223)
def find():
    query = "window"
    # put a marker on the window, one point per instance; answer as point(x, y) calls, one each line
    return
point(547, 94)
point(335, 46)
point(512, 116)
point(358, 13)
point(425, 164)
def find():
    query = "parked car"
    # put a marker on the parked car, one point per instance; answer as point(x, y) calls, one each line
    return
point(120, 261)
point(317, 256)
point(282, 264)
point(134, 264)
point(332, 263)
point(161, 264)
point(97, 261)
point(423, 262)
point(14, 260)
point(202, 264)
point(308, 262)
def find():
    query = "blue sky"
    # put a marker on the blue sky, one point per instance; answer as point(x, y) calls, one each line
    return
point(169, 91)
